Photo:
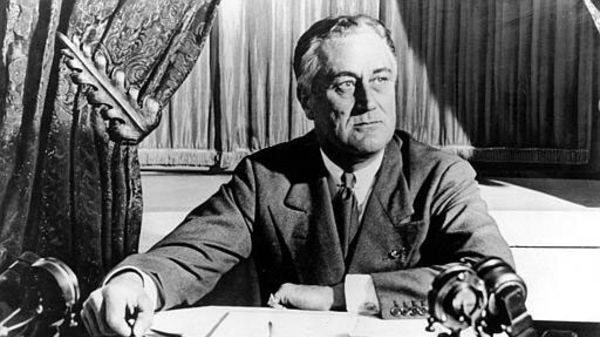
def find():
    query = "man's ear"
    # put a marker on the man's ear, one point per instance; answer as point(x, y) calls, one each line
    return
point(304, 99)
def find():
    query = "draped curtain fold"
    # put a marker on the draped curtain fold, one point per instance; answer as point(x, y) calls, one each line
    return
point(506, 81)
point(66, 189)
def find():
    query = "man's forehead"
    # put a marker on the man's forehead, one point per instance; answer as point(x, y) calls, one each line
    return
point(357, 51)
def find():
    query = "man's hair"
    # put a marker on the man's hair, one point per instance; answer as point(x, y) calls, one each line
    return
point(306, 54)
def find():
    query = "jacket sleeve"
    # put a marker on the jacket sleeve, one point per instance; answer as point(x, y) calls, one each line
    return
point(215, 236)
point(460, 227)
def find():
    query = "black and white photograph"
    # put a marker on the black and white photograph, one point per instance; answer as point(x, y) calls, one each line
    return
point(299, 168)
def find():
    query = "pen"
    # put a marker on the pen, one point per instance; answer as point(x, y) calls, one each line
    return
point(131, 317)
point(270, 328)
point(214, 328)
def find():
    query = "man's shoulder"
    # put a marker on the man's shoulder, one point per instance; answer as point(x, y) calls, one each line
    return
point(286, 150)
point(286, 158)
point(426, 167)
point(421, 160)
point(417, 152)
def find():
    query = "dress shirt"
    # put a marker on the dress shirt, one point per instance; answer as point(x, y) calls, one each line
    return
point(359, 289)
point(365, 177)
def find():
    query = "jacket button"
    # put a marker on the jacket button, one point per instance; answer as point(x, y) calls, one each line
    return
point(394, 311)
point(394, 254)
point(404, 311)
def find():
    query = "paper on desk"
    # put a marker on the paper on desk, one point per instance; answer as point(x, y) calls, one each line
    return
point(254, 322)
point(188, 322)
point(371, 327)
point(285, 323)
point(375, 327)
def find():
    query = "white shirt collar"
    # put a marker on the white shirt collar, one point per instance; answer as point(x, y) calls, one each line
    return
point(365, 176)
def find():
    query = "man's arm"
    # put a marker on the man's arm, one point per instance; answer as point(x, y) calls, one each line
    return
point(214, 237)
point(462, 228)
point(182, 267)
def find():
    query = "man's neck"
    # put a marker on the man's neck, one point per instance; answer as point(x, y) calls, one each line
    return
point(351, 163)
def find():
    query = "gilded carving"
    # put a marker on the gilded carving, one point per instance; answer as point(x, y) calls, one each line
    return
point(147, 47)
point(117, 100)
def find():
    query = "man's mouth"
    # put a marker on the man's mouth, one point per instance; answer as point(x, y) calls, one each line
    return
point(363, 124)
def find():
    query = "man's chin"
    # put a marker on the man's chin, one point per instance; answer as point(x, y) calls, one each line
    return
point(372, 143)
point(369, 148)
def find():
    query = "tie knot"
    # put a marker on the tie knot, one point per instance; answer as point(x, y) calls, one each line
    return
point(348, 179)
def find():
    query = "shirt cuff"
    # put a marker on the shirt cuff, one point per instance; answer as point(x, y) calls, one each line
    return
point(360, 295)
point(147, 282)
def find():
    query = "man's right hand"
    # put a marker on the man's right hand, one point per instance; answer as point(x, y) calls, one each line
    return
point(121, 307)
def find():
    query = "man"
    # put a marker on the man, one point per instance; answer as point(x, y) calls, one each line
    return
point(354, 215)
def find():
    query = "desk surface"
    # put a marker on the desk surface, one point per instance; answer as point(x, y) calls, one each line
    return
point(254, 322)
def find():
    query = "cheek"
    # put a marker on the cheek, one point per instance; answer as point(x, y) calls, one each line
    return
point(388, 105)
point(391, 112)
point(339, 106)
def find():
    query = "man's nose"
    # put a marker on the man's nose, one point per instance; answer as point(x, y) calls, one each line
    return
point(364, 100)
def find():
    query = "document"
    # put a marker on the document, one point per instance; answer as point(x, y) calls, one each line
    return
point(215, 321)
point(252, 322)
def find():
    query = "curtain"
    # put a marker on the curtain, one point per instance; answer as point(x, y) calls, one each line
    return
point(495, 81)
point(509, 81)
point(68, 188)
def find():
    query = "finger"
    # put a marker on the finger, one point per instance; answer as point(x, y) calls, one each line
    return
point(114, 313)
point(273, 301)
point(144, 317)
point(88, 319)
point(284, 294)
point(103, 327)
point(95, 308)
point(95, 314)
point(277, 297)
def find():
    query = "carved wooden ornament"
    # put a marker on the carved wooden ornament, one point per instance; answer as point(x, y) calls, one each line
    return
point(128, 118)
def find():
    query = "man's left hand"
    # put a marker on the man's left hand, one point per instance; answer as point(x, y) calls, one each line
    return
point(306, 297)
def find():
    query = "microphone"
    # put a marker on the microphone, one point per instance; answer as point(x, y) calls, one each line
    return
point(506, 311)
point(457, 298)
point(37, 296)
point(488, 296)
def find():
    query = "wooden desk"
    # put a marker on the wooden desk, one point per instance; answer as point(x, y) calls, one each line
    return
point(254, 322)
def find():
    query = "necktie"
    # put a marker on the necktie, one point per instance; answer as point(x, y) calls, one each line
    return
point(345, 209)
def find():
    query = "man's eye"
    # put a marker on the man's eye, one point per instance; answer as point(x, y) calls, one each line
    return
point(380, 79)
point(345, 86)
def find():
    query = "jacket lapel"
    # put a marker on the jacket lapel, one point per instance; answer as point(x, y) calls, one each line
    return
point(307, 223)
point(388, 208)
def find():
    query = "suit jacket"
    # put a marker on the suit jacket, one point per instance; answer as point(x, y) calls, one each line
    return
point(424, 211)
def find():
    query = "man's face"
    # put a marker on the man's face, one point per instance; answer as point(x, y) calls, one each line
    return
point(353, 102)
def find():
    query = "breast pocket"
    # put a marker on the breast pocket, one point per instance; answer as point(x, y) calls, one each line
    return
point(411, 234)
